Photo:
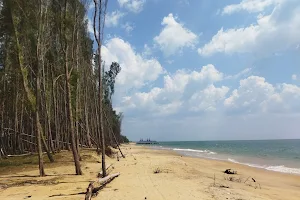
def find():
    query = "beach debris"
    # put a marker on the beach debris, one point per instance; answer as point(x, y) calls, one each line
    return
point(27, 197)
point(92, 190)
point(233, 179)
point(217, 184)
point(157, 170)
point(229, 171)
point(133, 156)
point(214, 179)
point(223, 186)
point(256, 184)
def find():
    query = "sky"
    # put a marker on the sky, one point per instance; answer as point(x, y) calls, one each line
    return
point(205, 70)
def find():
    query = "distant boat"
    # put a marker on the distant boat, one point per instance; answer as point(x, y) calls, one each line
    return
point(148, 141)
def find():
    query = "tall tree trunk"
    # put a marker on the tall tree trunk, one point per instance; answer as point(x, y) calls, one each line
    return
point(68, 101)
point(71, 123)
point(98, 8)
point(38, 126)
point(88, 136)
point(46, 110)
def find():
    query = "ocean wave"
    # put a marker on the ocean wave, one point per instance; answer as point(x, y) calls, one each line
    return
point(284, 169)
point(194, 150)
point(280, 168)
point(161, 148)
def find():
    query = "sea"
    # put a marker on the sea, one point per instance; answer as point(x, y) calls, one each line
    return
point(274, 155)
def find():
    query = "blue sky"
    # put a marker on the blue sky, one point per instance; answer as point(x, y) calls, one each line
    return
point(206, 70)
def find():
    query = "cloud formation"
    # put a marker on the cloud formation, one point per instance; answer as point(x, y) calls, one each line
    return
point(176, 90)
point(174, 36)
point(251, 6)
point(128, 27)
point(136, 70)
point(112, 19)
point(259, 38)
point(256, 95)
point(135, 6)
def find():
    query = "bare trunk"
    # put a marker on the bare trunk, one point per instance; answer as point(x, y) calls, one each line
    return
point(38, 127)
point(101, 116)
point(68, 102)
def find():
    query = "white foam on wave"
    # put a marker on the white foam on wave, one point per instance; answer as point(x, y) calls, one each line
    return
point(284, 169)
point(280, 168)
point(164, 148)
point(194, 150)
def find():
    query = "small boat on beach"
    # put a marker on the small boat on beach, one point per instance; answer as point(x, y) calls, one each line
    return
point(148, 141)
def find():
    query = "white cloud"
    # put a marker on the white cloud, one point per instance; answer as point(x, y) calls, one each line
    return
point(244, 72)
point(251, 92)
point(112, 19)
point(136, 70)
point(250, 6)
point(147, 50)
point(255, 95)
point(174, 36)
point(260, 38)
point(128, 27)
point(207, 99)
point(180, 80)
point(147, 102)
point(135, 6)
point(294, 77)
point(290, 96)
point(176, 90)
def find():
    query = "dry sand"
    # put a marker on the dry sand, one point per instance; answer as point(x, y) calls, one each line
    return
point(179, 178)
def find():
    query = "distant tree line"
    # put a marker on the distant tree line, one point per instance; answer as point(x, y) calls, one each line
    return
point(124, 139)
point(49, 81)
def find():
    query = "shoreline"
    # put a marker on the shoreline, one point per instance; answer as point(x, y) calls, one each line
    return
point(281, 168)
point(222, 161)
point(152, 174)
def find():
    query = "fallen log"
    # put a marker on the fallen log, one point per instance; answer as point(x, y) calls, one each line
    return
point(25, 154)
point(94, 187)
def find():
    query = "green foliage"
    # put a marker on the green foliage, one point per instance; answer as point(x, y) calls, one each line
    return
point(44, 37)
point(124, 139)
point(109, 80)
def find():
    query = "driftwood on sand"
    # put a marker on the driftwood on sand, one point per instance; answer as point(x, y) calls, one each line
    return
point(94, 187)
point(229, 171)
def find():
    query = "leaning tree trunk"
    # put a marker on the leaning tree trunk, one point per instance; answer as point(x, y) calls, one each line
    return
point(24, 72)
point(98, 5)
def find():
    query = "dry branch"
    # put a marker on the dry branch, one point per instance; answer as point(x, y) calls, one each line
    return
point(93, 189)
point(100, 173)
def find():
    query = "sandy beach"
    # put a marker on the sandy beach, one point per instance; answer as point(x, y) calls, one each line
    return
point(178, 177)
